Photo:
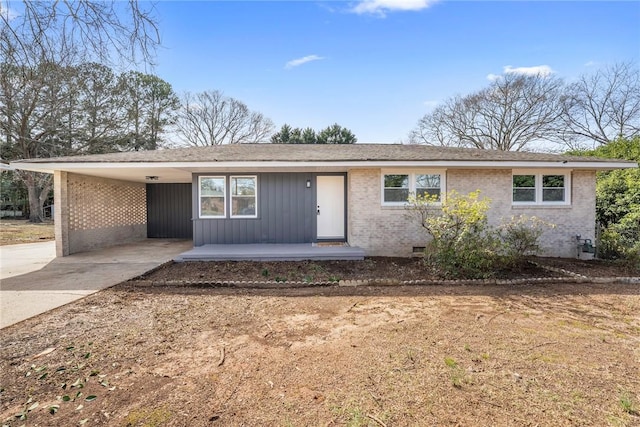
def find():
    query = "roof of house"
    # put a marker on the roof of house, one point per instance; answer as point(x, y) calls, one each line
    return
point(179, 165)
point(316, 153)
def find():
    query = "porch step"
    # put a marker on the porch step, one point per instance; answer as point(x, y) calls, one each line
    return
point(271, 252)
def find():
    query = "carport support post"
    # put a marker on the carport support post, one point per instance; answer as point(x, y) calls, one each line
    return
point(61, 212)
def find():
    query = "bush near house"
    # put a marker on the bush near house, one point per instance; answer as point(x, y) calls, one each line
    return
point(618, 202)
point(621, 240)
point(463, 244)
point(520, 237)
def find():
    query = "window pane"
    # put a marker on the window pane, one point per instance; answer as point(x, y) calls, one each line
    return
point(212, 206)
point(555, 181)
point(243, 186)
point(212, 186)
point(396, 195)
point(212, 194)
point(243, 206)
point(433, 192)
point(524, 181)
point(524, 195)
point(553, 194)
point(427, 181)
point(396, 181)
point(243, 195)
point(553, 188)
point(524, 188)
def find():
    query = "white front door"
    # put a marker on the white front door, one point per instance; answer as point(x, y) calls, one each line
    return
point(330, 209)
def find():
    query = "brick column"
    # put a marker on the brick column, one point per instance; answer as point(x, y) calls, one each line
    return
point(61, 212)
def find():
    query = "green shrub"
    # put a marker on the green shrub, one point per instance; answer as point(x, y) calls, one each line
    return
point(521, 237)
point(463, 245)
point(621, 241)
point(471, 256)
point(618, 202)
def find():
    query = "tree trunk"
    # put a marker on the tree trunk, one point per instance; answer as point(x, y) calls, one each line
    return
point(38, 187)
point(35, 210)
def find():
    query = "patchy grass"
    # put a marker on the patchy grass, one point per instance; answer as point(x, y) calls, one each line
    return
point(456, 373)
point(628, 404)
point(14, 232)
point(147, 417)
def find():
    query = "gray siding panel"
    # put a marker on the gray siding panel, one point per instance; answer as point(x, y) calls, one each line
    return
point(169, 211)
point(286, 214)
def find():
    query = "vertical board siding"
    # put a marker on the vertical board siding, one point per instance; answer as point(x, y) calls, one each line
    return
point(169, 211)
point(286, 214)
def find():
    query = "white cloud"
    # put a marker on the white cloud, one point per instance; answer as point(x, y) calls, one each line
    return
point(299, 61)
point(590, 64)
point(380, 7)
point(538, 70)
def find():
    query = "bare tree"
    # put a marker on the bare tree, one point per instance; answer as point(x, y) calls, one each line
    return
point(38, 40)
point(511, 114)
point(53, 31)
point(32, 109)
point(433, 128)
point(603, 106)
point(210, 118)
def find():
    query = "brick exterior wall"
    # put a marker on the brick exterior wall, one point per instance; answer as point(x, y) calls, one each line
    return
point(379, 230)
point(387, 231)
point(94, 213)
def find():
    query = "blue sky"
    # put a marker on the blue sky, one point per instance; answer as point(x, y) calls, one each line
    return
point(376, 67)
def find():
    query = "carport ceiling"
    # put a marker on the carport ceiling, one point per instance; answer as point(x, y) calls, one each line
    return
point(139, 174)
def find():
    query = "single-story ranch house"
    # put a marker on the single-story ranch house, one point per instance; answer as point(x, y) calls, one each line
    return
point(279, 193)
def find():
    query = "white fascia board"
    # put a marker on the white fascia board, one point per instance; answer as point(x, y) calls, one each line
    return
point(449, 164)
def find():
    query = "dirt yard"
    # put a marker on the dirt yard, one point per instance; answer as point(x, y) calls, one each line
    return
point(141, 355)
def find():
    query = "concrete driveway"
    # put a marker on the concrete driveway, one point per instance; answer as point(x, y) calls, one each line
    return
point(33, 281)
point(20, 259)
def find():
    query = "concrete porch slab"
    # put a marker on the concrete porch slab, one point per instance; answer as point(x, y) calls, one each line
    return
point(271, 252)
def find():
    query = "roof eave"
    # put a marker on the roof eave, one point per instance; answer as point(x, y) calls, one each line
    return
point(50, 167)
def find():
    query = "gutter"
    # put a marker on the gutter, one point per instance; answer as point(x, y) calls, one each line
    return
point(50, 167)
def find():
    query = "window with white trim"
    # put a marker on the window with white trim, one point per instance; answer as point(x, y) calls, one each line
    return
point(243, 196)
point(397, 186)
point(540, 188)
point(236, 194)
point(212, 192)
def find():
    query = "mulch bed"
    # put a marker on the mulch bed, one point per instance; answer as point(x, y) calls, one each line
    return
point(372, 268)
